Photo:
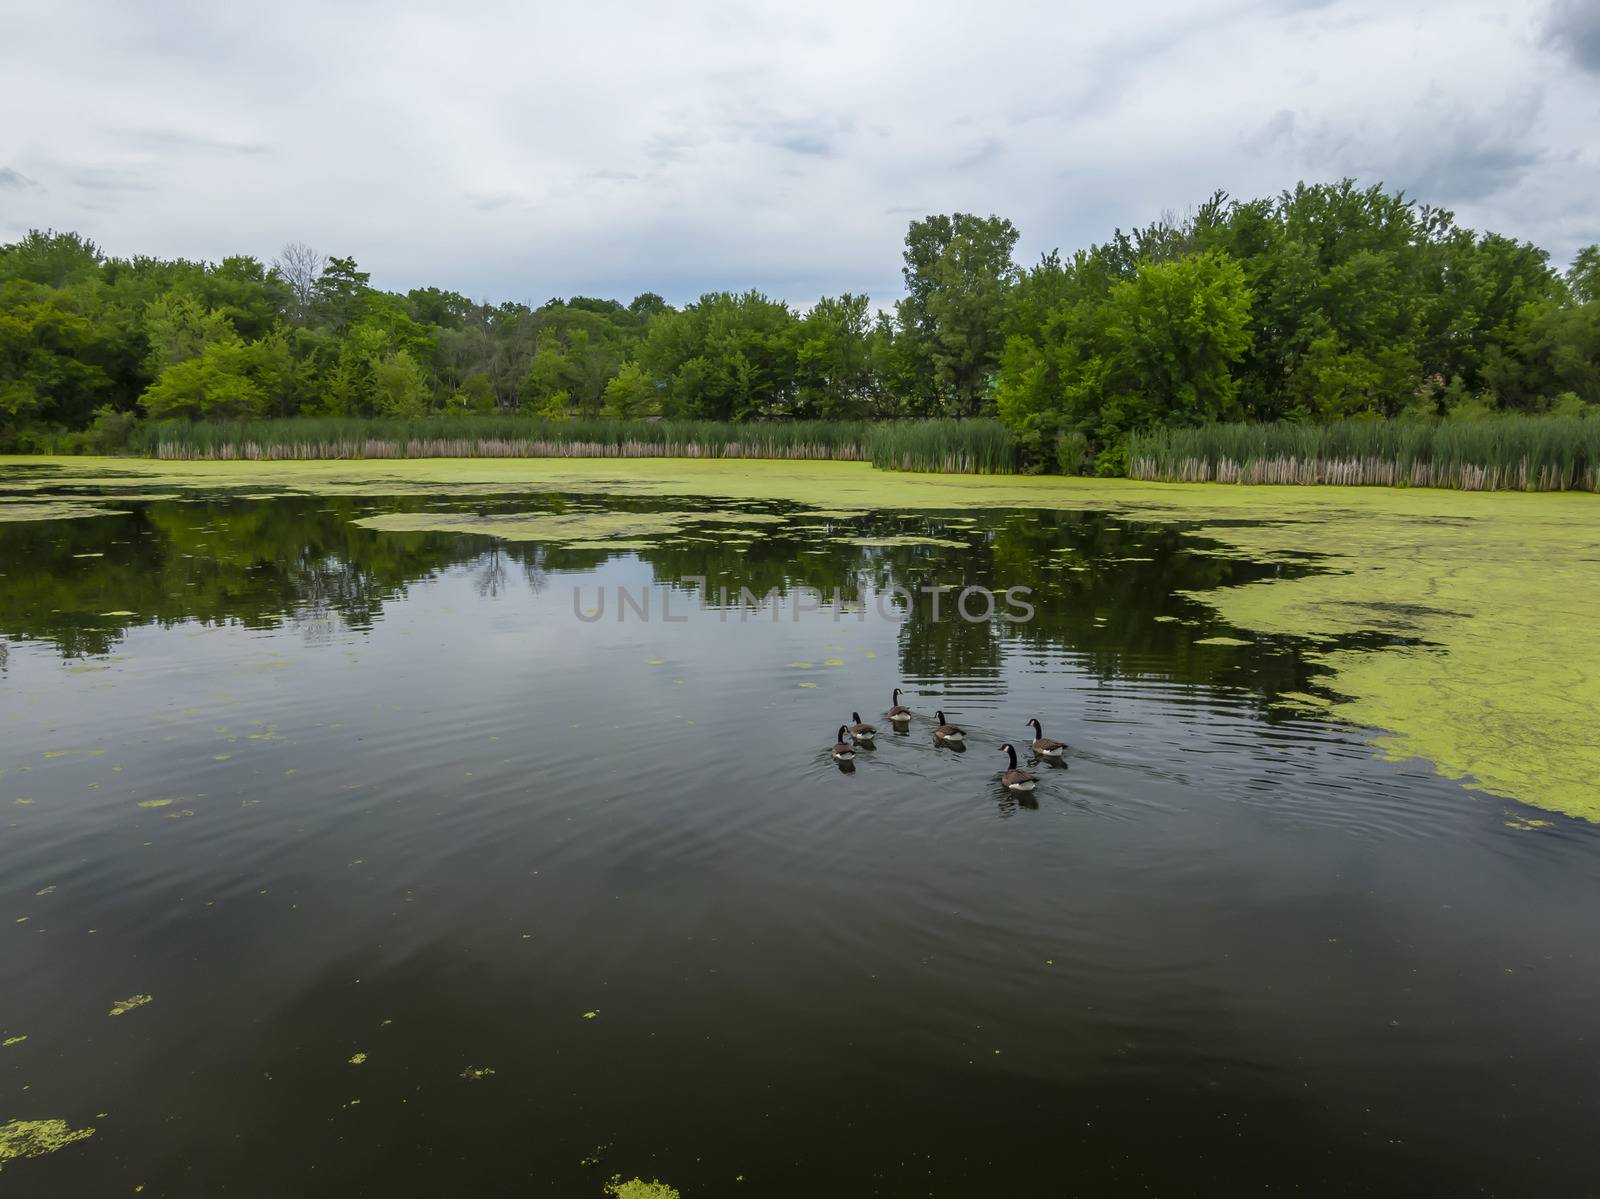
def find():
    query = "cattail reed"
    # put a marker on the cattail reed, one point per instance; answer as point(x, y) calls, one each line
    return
point(1500, 453)
point(974, 446)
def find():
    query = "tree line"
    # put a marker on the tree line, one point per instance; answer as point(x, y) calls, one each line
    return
point(1325, 302)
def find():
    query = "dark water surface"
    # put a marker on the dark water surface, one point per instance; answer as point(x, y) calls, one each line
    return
point(405, 803)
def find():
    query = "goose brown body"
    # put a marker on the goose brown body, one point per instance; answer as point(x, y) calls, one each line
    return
point(1015, 779)
point(843, 751)
point(862, 732)
point(1042, 745)
point(947, 732)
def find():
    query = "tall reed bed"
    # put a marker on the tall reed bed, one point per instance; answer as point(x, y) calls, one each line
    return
point(1521, 453)
point(966, 446)
point(974, 447)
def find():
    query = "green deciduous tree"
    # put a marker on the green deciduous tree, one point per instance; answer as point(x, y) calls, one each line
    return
point(557, 406)
point(399, 386)
point(1160, 347)
point(58, 349)
point(833, 359)
point(51, 259)
point(219, 383)
point(1176, 330)
point(338, 292)
point(958, 273)
point(179, 327)
point(725, 357)
point(349, 388)
point(1584, 277)
point(630, 395)
point(550, 372)
point(475, 395)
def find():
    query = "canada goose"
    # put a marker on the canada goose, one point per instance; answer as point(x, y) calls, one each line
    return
point(843, 751)
point(862, 732)
point(1014, 779)
point(898, 712)
point(948, 732)
point(1042, 745)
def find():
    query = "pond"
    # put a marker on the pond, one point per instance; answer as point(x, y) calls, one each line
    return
point(452, 844)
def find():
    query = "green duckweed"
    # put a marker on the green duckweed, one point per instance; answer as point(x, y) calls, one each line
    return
point(637, 1188)
point(35, 1138)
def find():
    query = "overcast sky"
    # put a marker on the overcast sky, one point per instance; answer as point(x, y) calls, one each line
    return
point(524, 150)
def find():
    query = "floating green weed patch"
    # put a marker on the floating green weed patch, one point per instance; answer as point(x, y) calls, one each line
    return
point(531, 526)
point(16, 511)
point(35, 1138)
point(899, 540)
point(637, 1188)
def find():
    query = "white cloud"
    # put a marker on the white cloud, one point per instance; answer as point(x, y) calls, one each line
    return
point(519, 152)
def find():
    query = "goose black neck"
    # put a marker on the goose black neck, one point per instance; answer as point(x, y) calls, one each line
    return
point(841, 733)
point(856, 716)
point(1011, 755)
point(939, 715)
point(897, 695)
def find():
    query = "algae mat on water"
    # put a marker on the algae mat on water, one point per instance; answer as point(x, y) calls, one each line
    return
point(1481, 605)
point(14, 511)
point(35, 1138)
point(585, 529)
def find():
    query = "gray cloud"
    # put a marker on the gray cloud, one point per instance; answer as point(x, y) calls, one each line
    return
point(165, 139)
point(1573, 27)
point(1277, 133)
point(1439, 152)
point(809, 143)
point(1466, 168)
point(732, 145)
point(496, 202)
point(110, 179)
point(984, 150)
point(814, 135)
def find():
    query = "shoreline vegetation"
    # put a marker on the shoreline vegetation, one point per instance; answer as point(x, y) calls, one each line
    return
point(1489, 453)
point(1494, 453)
point(946, 446)
point(1331, 333)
